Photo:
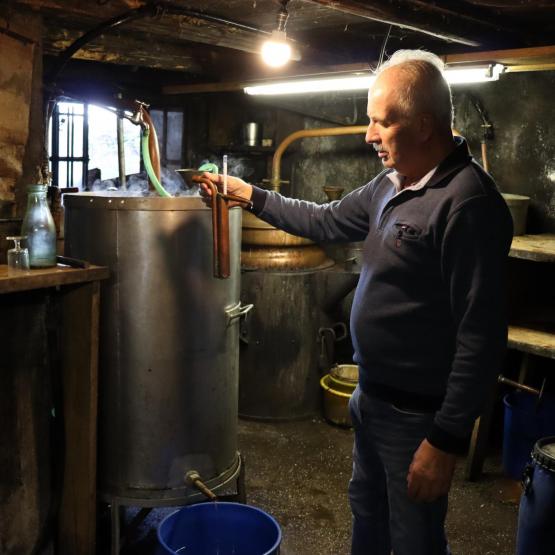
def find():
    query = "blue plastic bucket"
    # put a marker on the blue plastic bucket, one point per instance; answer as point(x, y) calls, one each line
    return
point(219, 529)
point(537, 505)
point(525, 423)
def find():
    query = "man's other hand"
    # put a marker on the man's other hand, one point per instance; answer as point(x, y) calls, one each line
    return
point(430, 473)
point(235, 186)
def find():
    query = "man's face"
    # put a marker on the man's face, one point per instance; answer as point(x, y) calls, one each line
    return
point(394, 135)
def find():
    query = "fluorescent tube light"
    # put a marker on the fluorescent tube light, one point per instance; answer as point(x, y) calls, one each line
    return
point(355, 82)
point(473, 74)
point(351, 83)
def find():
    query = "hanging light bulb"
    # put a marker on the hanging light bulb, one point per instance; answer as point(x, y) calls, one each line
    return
point(276, 51)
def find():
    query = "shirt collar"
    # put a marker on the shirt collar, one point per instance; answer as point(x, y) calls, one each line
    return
point(397, 179)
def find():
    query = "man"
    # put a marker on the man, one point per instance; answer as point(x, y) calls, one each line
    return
point(428, 319)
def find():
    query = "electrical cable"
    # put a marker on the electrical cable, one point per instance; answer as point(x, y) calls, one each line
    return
point(382, 53)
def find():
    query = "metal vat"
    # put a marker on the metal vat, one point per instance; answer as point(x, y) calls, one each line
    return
point(169, 335)
point(279, 355)
point(268, 248)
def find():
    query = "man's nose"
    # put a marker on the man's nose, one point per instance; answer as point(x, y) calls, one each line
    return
point(371, 135)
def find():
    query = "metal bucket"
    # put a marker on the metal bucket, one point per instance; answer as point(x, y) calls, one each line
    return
point(169, 335)
point(336, 400)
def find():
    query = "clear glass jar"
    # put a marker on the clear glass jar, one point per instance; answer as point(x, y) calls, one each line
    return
point(39, 227)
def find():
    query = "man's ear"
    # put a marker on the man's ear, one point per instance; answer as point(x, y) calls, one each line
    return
point(426, 126)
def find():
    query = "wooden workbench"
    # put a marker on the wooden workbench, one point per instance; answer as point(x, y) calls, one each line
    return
point(531, 339)
point(38, 308)
point(537, 248)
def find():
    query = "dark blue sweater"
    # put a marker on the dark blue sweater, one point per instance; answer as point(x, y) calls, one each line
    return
point(428, 320)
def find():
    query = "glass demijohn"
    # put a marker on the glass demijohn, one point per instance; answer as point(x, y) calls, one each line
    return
point(38, 226)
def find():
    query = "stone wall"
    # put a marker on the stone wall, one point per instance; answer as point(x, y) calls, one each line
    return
point(20, 105)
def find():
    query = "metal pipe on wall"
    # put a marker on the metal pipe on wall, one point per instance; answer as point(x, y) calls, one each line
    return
point(324, 132)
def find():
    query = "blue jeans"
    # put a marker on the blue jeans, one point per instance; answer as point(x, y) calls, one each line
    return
point(384, 517)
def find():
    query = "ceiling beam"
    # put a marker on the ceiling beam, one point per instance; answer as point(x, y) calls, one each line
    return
point(391, 16)
point(518, 59)
point(131, 50)
point(486, 17)
point(436, 19)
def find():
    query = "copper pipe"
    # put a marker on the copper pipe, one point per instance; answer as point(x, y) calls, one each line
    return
point(220, 231)
point(223, 237)
point(521, 386)
point(192, 478)
point(485, 156)
point(325, 132)
point(153, 148)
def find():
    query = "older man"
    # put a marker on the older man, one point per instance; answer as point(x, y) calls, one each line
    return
point(428, 318)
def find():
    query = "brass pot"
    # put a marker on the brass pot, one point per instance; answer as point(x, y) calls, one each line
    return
point(336, 402)
point(344, 377)
point(265, 247)
point(259, 233)
point(273, 258)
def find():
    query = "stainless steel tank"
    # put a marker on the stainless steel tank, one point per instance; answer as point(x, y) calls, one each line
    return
point(169, 335)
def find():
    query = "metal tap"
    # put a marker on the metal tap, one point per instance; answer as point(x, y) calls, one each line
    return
point(192, 478)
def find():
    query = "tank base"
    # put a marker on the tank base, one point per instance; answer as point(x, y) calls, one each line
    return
point(235, 472)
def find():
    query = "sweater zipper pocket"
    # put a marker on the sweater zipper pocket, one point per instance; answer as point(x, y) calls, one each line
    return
point(405, 231)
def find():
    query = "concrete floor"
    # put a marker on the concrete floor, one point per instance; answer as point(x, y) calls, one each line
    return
point(299, 471)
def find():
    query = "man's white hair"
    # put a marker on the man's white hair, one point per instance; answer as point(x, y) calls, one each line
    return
point(404, 56)
point(425, 88)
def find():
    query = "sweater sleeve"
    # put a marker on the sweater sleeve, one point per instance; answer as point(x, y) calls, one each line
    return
point(338, 221)
point(474, 258)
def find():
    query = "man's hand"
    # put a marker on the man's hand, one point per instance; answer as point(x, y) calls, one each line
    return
point(430, 473)
point(235, 186)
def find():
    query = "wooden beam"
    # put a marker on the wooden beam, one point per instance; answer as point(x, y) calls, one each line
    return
point(130, 50)
point(517, 59)
point(484, 17)
point(165, 26)
point(436, 19)
point(514, 56)
point(391, 16)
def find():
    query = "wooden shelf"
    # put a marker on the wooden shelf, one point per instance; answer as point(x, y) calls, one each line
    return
point(538, 248)
point(48, 277)
point(536, 341)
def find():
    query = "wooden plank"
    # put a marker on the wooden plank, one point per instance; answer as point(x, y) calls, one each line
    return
point(538, 248)
point(521, 58)
point(122, 48)
point(479, 439)
point(540, 342)
point(48, 277)
point(80, 313)
point(393, 16)
point(513, 56)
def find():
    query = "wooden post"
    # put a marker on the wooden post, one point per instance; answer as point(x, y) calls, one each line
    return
point(80, 315)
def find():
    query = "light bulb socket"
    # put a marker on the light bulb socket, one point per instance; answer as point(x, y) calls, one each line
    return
point(282, 18)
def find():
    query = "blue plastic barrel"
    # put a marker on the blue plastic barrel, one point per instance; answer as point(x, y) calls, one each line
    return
point(219, 529)
point(526, 421)
point(536, 517)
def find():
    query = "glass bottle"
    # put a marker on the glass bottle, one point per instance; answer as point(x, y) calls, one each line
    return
point(38, 225)
point(18, 256)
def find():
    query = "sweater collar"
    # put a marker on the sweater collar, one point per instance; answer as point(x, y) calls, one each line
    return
point(456, 160)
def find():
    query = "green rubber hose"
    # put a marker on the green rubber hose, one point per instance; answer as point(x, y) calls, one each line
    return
point(148, 165)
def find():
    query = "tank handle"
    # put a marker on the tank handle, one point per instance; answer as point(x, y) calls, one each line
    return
point(237, 311)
